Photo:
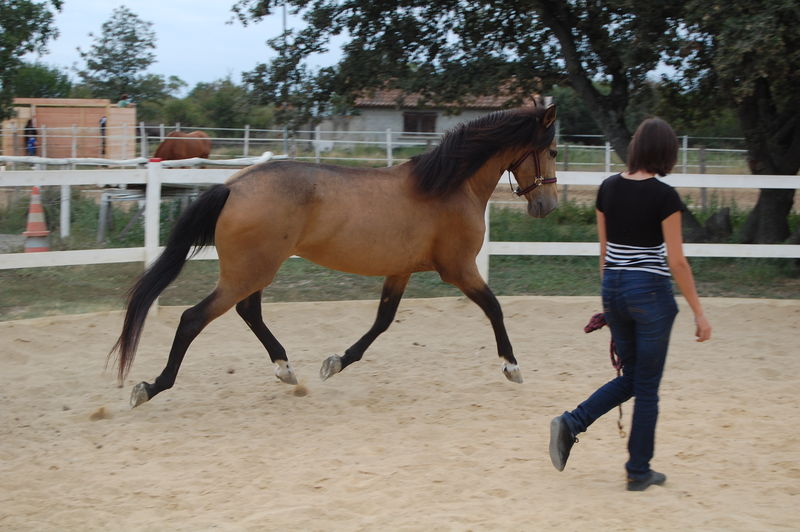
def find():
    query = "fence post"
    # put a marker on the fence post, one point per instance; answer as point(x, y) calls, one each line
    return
point(124, 148)
point(152, 215)
point(161, 132)
point(482, 260)
point(143, 139)
point(565, 188)
point(44, 140)
point(608, 158)
point(15, 143)
point(65, 215)
point(316, 143)
point(102, 219)
point(702, 162)
point(74, 148)
point(247, 140)
point(152, 208)
point(286, 141)
point(389, 151)
point(685, 155)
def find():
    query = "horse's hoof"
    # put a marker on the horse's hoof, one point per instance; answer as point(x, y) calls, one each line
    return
point(512, 372)
point(284, 372)
point(331, 366)
point(139, 394)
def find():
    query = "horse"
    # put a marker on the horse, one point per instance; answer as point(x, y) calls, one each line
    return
point(425, 214)
point(179, 145)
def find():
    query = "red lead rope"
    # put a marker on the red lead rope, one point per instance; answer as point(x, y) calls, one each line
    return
point(598, 321)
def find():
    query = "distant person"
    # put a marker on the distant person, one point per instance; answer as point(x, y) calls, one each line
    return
point(124, 101)
point(639, 228)
point(103, 124)
point(31, 137)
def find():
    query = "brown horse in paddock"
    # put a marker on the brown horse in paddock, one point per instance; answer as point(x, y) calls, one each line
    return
point(425, 214)
point(180, 145)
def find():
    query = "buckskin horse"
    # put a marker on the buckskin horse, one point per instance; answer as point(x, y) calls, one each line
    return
point(180, 145)
point(425, 214)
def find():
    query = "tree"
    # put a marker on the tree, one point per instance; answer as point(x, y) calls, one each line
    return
point(742, 53)
point(224, 103)
point(35, 80)
point(116, 62)
point(25, 26)
point(747, 53)
point(452, 49)
point(185, 111)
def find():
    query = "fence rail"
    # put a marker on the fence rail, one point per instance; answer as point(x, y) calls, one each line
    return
point(700, 154)
point(154, 175)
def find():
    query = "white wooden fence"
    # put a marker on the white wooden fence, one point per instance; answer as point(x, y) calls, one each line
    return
point(154, 175)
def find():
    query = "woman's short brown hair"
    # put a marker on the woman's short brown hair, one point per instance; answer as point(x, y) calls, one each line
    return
point(653, 148)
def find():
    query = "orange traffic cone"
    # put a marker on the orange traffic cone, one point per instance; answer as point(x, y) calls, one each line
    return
point(36, 232)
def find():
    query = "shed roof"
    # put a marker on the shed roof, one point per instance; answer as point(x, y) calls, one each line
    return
point(63, 102)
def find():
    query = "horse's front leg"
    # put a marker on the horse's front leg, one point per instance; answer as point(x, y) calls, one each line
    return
point(393, 288)
point(472, 284)
point(250, 311)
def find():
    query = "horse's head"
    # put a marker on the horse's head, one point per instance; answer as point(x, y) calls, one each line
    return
point(536, 169)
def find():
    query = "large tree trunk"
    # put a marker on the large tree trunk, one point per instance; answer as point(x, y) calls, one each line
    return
point(607, 110)
point(773, 148)
point(767, 223)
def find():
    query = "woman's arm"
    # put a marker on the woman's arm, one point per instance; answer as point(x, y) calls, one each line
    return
point(601, 237)
point(682, 272)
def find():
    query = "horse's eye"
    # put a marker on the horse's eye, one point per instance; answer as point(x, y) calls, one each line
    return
point(553, 153)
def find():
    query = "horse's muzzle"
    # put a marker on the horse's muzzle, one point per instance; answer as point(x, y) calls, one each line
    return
point(541, 207)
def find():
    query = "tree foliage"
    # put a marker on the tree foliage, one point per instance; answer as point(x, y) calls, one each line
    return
point(35, 80)
point(454, 49)
point(740, 55)
point(25, 26)
point(217, 104)
point(223, 103)
point(117, 60)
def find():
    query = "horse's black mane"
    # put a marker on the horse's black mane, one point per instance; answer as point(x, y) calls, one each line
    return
point(467, 147)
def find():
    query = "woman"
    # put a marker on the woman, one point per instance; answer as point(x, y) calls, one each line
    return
point(639, 228)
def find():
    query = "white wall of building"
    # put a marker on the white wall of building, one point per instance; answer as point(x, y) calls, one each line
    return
point(379, 120)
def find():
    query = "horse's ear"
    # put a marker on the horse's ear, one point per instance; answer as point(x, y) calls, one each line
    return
point(549, 117)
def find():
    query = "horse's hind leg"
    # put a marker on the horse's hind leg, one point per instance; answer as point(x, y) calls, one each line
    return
point(393, 288)
point(250, 311)
point(472, 284)
point(193, 320)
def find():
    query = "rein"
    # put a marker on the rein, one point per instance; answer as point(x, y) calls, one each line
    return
point(538, 178)
point(598, 321)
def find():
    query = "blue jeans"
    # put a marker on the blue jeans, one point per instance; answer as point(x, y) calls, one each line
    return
point(640, 309)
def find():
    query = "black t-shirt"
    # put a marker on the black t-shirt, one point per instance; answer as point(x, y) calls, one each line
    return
point(635, 209)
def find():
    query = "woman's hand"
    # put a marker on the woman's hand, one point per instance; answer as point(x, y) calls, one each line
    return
point(703, 328)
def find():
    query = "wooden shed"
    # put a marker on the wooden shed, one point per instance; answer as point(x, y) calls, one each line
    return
point(73, 127)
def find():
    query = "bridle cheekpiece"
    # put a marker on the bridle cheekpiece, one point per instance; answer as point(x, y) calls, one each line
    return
point(538, 178)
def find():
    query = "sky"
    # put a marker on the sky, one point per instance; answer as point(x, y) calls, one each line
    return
point(193, 40)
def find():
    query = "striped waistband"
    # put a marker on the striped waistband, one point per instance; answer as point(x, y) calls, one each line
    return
point(639, 258)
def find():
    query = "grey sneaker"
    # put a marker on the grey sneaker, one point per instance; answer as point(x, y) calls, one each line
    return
point(641, 484)
point(561, 441)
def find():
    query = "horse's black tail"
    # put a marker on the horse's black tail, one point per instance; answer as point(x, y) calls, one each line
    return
point(195, 228)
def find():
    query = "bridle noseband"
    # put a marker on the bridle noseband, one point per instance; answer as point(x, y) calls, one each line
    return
point(538, 178)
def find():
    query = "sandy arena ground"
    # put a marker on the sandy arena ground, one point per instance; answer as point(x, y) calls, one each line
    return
point(424, 434)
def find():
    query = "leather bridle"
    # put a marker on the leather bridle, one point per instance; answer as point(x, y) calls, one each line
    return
point(538, 178)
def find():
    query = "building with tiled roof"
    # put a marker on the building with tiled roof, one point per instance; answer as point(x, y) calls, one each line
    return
point(394, 98)
point(408, 117)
